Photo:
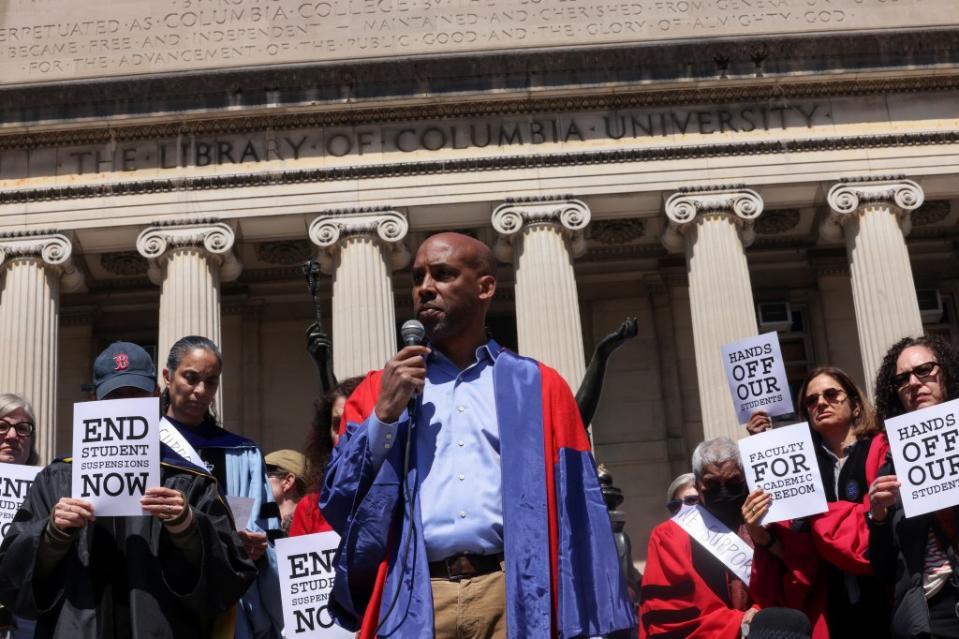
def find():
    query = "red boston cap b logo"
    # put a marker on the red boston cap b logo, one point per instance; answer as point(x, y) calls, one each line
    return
point(122, 361)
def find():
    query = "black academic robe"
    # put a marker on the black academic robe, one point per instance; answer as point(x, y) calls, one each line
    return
point(123, 577)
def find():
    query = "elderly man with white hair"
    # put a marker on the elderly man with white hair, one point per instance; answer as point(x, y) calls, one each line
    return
point(696, 585)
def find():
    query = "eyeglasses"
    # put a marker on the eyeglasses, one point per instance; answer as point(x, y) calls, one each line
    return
point(922, 373)
point(831, 395)
point(23, 429)
point(673, 505)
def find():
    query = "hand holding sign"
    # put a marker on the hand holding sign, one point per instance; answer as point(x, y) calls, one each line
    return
point(72, 513)
point(116, 453)
point(782, 462)
point(882, 496)
point(925, 450)
point(757, 376)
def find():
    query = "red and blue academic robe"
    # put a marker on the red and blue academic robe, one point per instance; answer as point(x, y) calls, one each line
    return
point(562, 574)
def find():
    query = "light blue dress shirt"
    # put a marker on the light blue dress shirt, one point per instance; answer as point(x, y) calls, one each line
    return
point(456, 456)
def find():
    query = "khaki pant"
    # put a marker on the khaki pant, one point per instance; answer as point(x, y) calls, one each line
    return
point(470, 608)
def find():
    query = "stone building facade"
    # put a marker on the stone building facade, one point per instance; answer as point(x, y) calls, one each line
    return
point(712, 167)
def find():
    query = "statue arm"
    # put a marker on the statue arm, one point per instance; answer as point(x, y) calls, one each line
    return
point(587, 397)
point(320, 348)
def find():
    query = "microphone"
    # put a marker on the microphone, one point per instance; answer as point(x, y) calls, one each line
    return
point(413, 333)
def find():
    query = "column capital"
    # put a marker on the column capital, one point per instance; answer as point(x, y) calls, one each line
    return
point(511, 217)
point(685, 208)
point(847, 199)
point(215, 238)
point(388, 227)
point(53, 250)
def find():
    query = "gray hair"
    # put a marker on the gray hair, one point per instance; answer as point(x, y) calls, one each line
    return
point(716, 451)
point(686, 479)
point(10, 402)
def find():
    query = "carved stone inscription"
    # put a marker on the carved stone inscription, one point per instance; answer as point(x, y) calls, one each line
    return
point(51, 40)
point(412, 141)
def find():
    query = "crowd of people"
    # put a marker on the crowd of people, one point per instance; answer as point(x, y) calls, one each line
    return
point(861, 569)
point(460, 481)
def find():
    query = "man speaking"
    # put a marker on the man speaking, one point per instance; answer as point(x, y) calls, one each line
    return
point(491, 522)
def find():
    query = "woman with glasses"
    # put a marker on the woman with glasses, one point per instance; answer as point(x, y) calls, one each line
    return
point(17, 427)
point(917, 555)
point(682, 492)
point(850, 448)
point(17, 446)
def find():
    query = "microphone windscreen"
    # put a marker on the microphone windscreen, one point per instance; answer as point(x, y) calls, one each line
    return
point(780, 623)
point(413, 333)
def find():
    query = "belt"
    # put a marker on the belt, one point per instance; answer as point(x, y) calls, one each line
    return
point(465, 566)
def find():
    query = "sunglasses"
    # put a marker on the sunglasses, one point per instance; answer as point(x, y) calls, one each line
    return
point(831, 395)
point(922, 373)
point(673, 505)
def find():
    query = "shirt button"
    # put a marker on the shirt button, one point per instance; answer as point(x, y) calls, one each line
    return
point(461, 408)
point(462, 514)
point(389, 436)
point(387, 445)
point(461, 477)
point(460, 443)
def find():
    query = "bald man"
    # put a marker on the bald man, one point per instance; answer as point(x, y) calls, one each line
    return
point(501, 530)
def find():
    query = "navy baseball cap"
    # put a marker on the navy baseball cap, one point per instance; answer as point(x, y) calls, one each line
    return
point(123, 364)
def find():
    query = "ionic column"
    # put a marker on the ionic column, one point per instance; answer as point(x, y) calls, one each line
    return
point(361, 250)
point(189, 261)
point(713, 228)
point(541, 239)
point(873, 218)
point(36, 268)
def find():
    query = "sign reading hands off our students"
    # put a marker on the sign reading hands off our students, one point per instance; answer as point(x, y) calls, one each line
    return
point(116, 453)
point(757, 376)
point(925, 450)
point(305, 564)
point(782, 462)
point(15, 481)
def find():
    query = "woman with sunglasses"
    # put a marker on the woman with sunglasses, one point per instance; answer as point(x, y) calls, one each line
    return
point(850, 448)
point(682, 492)
point(917, 555)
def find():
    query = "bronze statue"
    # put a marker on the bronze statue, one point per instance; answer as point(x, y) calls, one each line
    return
point(587, 397)
point(318, 343)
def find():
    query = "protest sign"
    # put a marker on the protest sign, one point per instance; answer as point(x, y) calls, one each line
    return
point(757, 376)
point(116, 453)
point(925, 450)
point(782, 462)
point(720, 541)
point(242, 508)
point(306, 581)
point(15, 481)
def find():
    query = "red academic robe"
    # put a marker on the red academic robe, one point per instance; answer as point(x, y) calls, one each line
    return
point(676, 599)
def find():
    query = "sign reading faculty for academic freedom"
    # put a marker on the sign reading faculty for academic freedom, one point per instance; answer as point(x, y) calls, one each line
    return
point(15, 481)
point(925, 450)
point(306, 581)
point(782, 462)
point(757, 376)
point(116, 453)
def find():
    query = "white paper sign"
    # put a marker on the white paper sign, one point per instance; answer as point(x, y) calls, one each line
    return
point(925, 450)
point(757, 376)
point(116, 453)
point(242, 508)
point(15, 481)
point(782, 462)
point(306, 581)
point(720, 541)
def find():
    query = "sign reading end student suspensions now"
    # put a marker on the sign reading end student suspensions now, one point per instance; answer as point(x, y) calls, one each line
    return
point(15, 481)
point(306, 582)
point(116, 453)
point(757, 376)
point(925, 450)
